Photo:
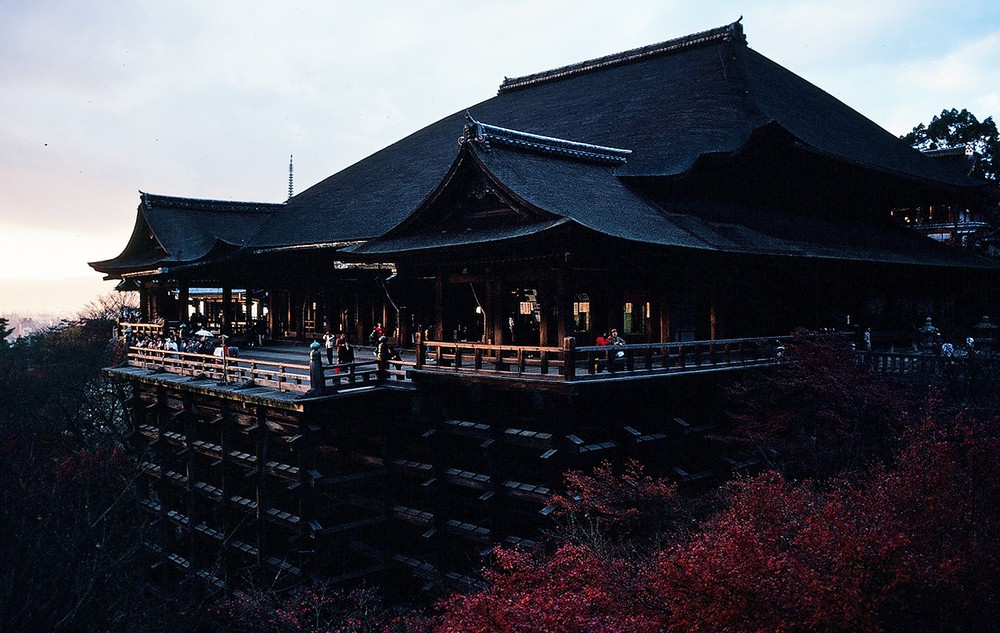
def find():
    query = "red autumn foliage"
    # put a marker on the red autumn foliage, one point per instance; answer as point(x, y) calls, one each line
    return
point(910, 548)
point(819, 413)
point(572, 590)
point(629, 505)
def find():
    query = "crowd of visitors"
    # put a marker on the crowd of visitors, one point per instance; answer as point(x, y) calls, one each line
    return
point(170, 343)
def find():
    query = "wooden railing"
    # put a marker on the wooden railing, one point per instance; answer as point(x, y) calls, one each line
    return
point(566, 363)
point(281, 376)
point(688, 356)
point(509, 360)
point(572, 363)
point(142, 329)
point(918, 365)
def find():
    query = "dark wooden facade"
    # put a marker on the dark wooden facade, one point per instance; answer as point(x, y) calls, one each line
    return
point(409, 484)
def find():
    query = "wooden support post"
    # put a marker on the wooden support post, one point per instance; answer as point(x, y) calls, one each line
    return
point(569, 358)
point(664, 319)
point(263, 496)
point(439, 307)
point(144, 312)
point(247, 309)
point(159, 306)
point(191, 471)
point(183, 301)
point(227, 310)
point(271, 321)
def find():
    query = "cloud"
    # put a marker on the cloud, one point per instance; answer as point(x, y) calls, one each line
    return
point(208, 99)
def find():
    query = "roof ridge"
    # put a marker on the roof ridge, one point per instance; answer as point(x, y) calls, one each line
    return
point(485, 134)
point(727, 33)
point(149, 199)
point(955, 150)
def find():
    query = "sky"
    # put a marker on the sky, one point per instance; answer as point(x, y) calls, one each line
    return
point(101, 100)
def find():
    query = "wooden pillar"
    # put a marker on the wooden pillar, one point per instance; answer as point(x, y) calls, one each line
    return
point(563, 304)
point(144, 315)
point(330, 312)
point(270, 314)
point(439, 306)
point(183, 301)
point(496, 317)
point(159, 303)
point(405, 328)
point(263, 492)
point(545, 309)
point(359, 327)
point(664, 319)
point(247, 307)
point(712, 316)
point(227, 310)
point(191, 470)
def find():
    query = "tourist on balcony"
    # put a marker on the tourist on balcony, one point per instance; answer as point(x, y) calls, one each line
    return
point(616, 340)
point(384, 353)
point(600, 362)
point(615, 356)
point(376, 334)
point(170, 345)
point(345, 352)
point(330, 342)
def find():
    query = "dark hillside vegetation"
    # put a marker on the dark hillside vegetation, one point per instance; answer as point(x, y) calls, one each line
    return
point(876, 509)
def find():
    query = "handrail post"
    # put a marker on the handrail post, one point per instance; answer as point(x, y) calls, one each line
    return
point(569, 358)
point(317, 381)
point(421, 351)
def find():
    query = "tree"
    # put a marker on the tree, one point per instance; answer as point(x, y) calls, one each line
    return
point(954, 128)
point(817, 414)
point(605, 508)
point(573, 590)
point(314, 609)
point(67, 519)
point(110, 306)
point(4, 332)
point(914, 548)
point(909, 546)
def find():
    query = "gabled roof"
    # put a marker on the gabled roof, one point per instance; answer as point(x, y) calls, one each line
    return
point(170, 231)
point(960, 160)
point(670, 103)
point(673, 105)
point(562, 184)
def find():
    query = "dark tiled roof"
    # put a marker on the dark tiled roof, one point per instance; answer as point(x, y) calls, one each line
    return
point(171, 230)
point(959, 160)
point(717, 35)
point(416, 241)
point(589, 195)
point(485, 134)
point(670, 104)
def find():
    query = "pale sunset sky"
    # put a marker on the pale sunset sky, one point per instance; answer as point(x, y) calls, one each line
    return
point(99, 100)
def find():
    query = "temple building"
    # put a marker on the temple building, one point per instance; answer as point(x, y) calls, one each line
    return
point(692, 194)
point(687, 189)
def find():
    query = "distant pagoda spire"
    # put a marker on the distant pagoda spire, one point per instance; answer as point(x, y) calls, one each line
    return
point(290, 178)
